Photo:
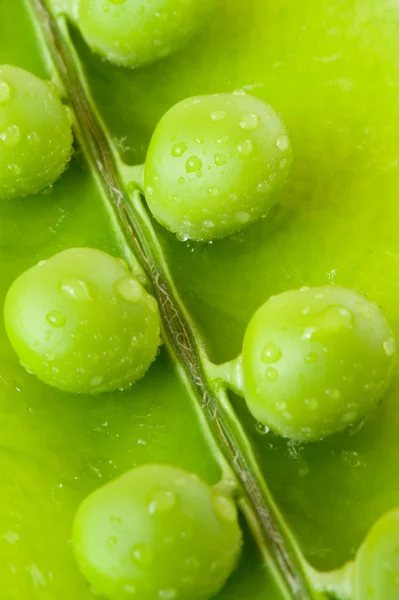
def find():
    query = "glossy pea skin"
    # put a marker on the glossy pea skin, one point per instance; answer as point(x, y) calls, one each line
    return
point(315, 361)
point(376, 567)
point(216, 164)
point(157, 533)
point(35, 133)
point(82, 323)
point(133, 33)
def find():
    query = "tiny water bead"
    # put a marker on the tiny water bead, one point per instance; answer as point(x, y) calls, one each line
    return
point(31, 116)
point(222, 156)
point(82, 323)
point(316, 360)
point(175, 538)
point(133, 33)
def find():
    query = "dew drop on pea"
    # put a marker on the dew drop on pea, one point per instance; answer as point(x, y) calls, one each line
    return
point(245, 149)
point(112, 542)
point(193, 164)
point(15, 169)
point(96, 381)
point(271, 353)
point(250, 121)
point(11, 136)
point(192, 564)
point(130, 290)
point(312, 403)
point(141, 555)
point(218, 115)
point(161, 501)
point(209, 224)
point(282, 142)
point(76, 289)
point(225, 508)
point(220, 159)
point(5, 93)
point(389, 346)
point(242, 217)
point(311, 358)
point(214, 191)
point(56, 319)
point(178, 149)
point(272, 375)
point(130, 590)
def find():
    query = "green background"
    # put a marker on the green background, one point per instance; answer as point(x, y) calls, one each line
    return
point(331, 68)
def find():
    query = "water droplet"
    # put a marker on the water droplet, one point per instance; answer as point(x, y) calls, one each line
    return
point(70, 115)
point(262, 429)
point(218, 115)
point(242, 217)
point(141, 555)
point(281, 406)
point(178, 149)
point(225, 508)
point(213, 191)
point(282, 142)
point(220, 159)
point(263, 187)
point(311, 358)
point(312, 403)
point(116, 521)
point(245, 149)
point(161, 501)
point(209, 224)
point(283, 163)
point(193, 164)
point(140, 10)
point(389, 346)
point(11, 136)
point(223, 140)
point(149, 191)
point(15, 169)
point(152, 303)
point(5, 92)
point(76, 289)
point(130, 589)
point(334, 394)
point(181, 180)
point(56, 319)
point(33, 138)
point(130, 290)
point(272, 375)
point(167, 594)
point(364, 310)
point(349, 417)
point(240, 92)
point(271, 353)
point(182, 237)
point(96, 381)
point(249, 121)
point(198, 140)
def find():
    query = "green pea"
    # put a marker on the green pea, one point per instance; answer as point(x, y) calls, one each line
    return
point(316, 360)
point(216, 164)
point(82, 323)
point(157, 533)
point(133, 33)
point(35, 133)
point(376, 568)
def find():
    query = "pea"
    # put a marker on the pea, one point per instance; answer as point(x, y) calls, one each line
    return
point(316, 360)
point(376, 568)
point(133, 33)
point(35, 133)
point(157, 533)
point(216, 164)
point(82, 323)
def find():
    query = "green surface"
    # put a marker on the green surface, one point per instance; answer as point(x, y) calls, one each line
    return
point(316, 361)
point(155, 533)
point(331, 68)
point(55, 447)
point(82, 323)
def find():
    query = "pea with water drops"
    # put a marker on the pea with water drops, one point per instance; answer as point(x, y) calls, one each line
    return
point(81, 322)
point(216, 164)
point(315, 360)
point(157, 533)
point(133, 33)
point(35, 133)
